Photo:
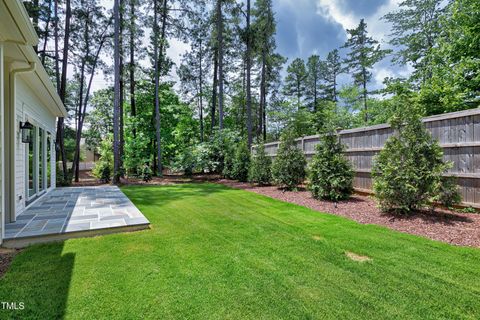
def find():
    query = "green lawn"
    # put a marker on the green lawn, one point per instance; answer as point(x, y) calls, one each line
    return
point(215, 252)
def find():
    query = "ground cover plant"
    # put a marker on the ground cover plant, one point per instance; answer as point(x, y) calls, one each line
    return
point(214, 253)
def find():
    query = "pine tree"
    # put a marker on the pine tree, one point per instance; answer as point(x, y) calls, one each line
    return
point(333, 68)
point(315, 75)
point(364, 53)
point(295, 81)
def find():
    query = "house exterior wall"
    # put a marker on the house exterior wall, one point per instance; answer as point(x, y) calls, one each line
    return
point(28, 107)
point(2, 143)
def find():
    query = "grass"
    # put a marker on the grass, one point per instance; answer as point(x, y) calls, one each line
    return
point(215, 252)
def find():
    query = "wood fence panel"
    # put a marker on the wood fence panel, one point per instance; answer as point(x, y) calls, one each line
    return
point(458, 134)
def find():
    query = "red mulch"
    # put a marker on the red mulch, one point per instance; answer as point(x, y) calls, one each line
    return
point(461, 229)
point(6, 257)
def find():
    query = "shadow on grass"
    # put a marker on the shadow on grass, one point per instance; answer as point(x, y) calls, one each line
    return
point(39, 279)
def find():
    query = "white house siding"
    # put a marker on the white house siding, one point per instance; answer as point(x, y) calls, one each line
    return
point(28, 107)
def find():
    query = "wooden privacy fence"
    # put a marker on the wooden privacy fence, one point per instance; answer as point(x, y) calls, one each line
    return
point(458, 134)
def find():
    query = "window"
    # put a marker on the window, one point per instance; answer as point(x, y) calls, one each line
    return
point(41, 160)
point(49, 160)
point(32, 162)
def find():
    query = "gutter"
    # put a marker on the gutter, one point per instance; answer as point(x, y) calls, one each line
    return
point(10, 145)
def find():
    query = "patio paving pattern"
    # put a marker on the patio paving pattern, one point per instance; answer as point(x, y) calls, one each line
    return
point(76, 209)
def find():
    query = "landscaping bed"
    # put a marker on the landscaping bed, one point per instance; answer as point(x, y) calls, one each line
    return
point(443, 225)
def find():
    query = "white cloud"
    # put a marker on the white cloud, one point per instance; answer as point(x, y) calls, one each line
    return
point(333, 11)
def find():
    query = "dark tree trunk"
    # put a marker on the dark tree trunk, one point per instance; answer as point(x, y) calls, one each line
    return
point(220, 63)
point(47, 32)
point(263, 90)
point(63, 89)
point(201, 91)
point(214, 89)
point(249, 89)
point(122, 83)
point(133, 109)
point(116, 99)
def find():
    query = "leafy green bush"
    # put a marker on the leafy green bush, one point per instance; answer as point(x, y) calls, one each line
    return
point(408, 171)
point(241, 162)
point(288, 168)
point(228, 160)
point(260, 170)
point(331, 174)
point(104, 167)
point(185, 161)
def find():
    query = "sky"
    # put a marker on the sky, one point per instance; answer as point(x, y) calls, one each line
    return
point(306, 27)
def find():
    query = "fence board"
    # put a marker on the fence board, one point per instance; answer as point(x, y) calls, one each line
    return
point(458, 134)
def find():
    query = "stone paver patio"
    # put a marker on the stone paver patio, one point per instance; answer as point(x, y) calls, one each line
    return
point(76, 209)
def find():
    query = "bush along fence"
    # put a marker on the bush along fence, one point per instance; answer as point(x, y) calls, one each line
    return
point(458, 134)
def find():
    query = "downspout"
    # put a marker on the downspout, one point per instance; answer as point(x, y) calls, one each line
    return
point(11, 131)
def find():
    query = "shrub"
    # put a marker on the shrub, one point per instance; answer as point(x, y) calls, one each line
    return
point(331, 174)
point(288, 168)
point(104, 167)
point(446, 192)
point(228, 160)
point(241, 162)
point(260, 170)
point(408, 171)
point(146, 173)
point(185, 161)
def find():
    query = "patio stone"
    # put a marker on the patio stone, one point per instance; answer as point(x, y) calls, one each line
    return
point(70, 209)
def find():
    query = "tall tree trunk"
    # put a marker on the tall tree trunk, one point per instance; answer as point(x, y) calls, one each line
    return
point(315, 80)
point(83, 99)
point(262, 94)
point(133, 110)
point(220, 63)
point(122, 84)
point(158, 61)
point(55, 36)
point(201, 91)
point(214, 88)
point(335, 87)
point(78, 108)
point(249, 89)
point(47, 32)
point(364, 93)
point(116, 99)
point(63, 88)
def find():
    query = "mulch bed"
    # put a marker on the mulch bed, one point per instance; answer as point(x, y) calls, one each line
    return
point(461, 229)
point(6, 257)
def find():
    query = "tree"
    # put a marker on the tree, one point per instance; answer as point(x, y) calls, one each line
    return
point(220, 49)
point(333, 68)
point(331, 174)
point(315, 75)
point(408, 171)
point(364, 53)
point(455, 62)
point(415, 30)
point(88, 47)
point(248, 59)
point(295, 81)
point(62, 89)
point(241, 162)
point(260, 170)
point(270, 62)
point(288, 168)
point(116, 95)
